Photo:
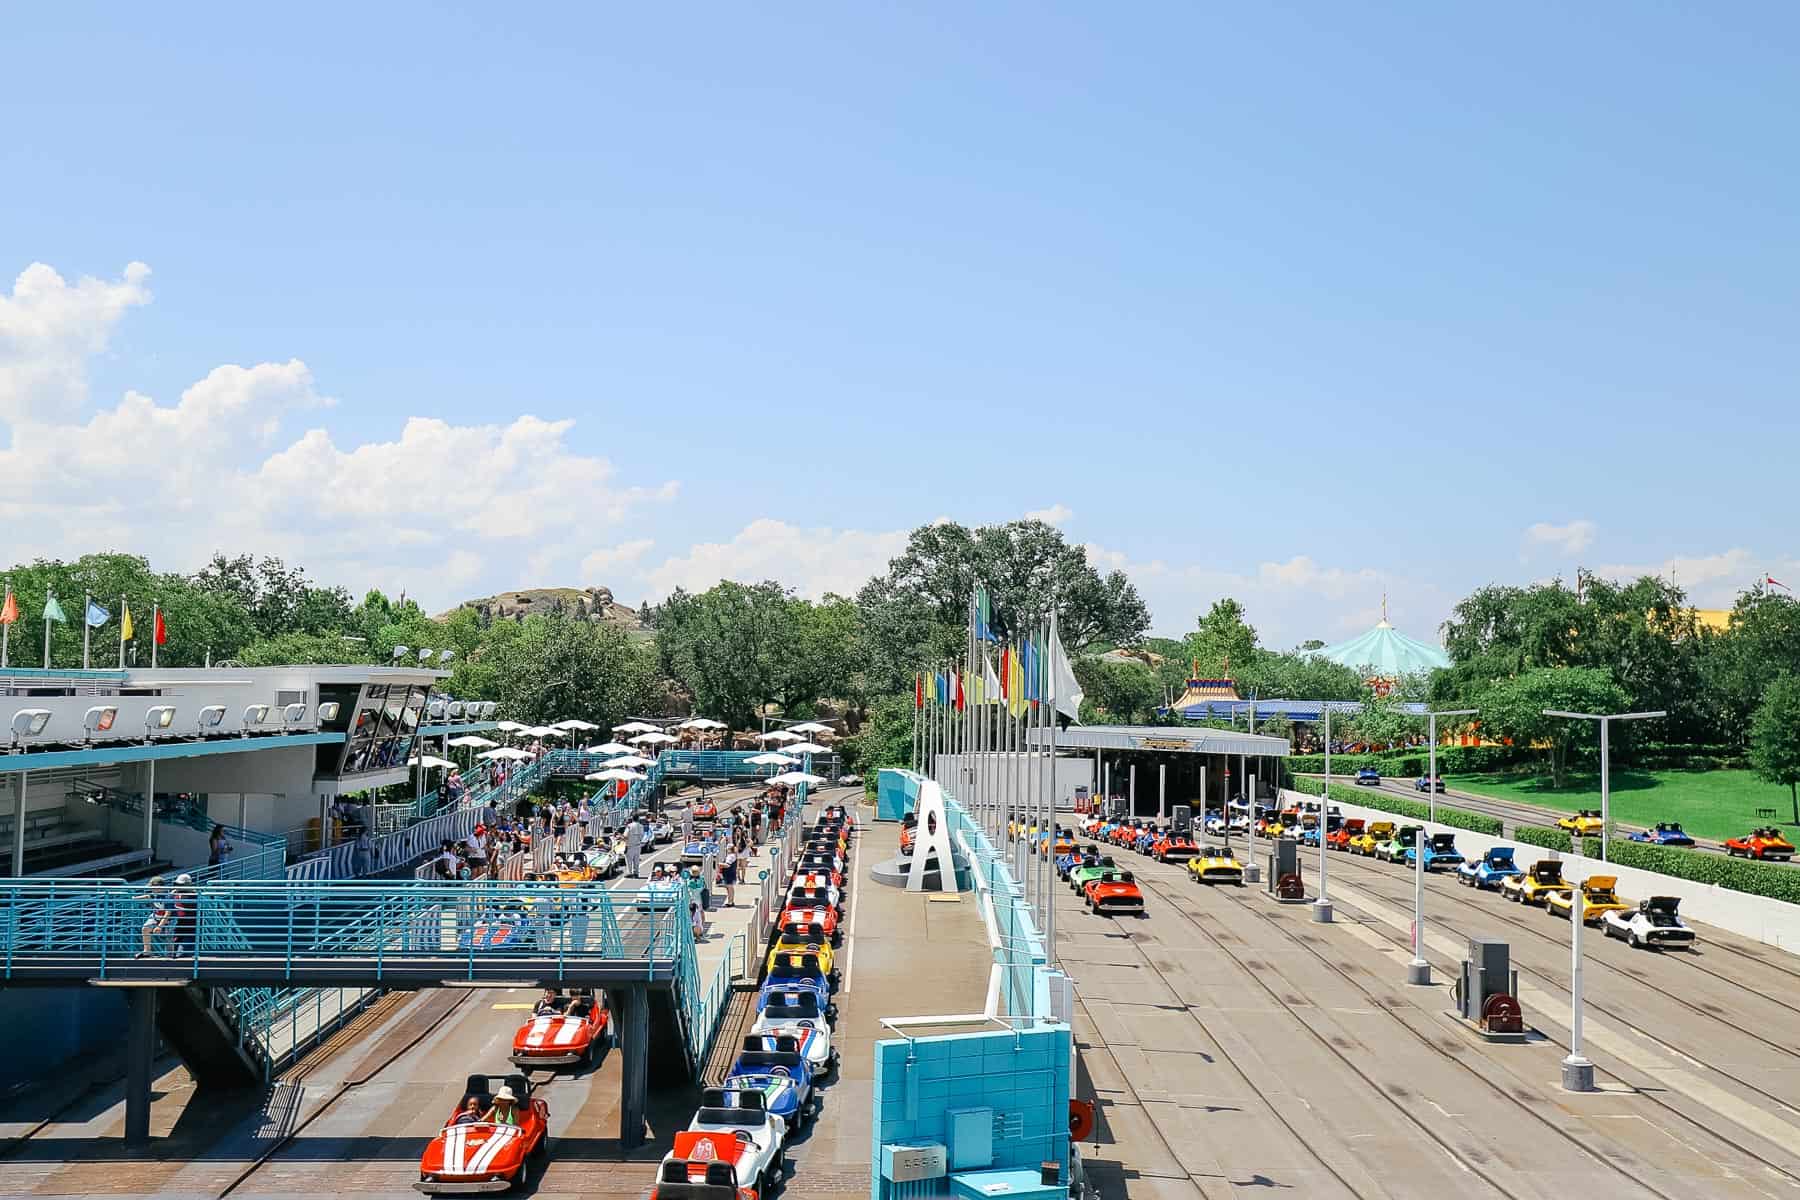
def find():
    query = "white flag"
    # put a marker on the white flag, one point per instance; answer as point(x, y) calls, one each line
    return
point(1062, 680)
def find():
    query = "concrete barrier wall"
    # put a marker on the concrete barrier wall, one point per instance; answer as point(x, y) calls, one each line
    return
point(1772, 922)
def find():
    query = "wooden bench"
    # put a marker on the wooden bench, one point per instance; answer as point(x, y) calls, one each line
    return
point(1765, 814)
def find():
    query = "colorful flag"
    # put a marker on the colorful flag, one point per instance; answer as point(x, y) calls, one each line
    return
point(1030, 655)
point(1065, 688)
point(961, 702)
point(97, 616)
point(984, 616)
point(990, 682)
point(52, 610)
point(918, 689)
point(1777, 583)
point(127, 630)
point(162, 630)
point(9, 613)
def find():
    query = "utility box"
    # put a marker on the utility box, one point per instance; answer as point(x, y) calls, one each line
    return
point(1488, 989)
point(1284, 870)
point(1181, 818)
point(971, 1138)
point(903, 1163)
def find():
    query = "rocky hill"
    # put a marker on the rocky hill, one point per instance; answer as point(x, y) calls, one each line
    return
point(596, 604)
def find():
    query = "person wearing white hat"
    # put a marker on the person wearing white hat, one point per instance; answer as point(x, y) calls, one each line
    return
point(186, 918)
point(505, 1110)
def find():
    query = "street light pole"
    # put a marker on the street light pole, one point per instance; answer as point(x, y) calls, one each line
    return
point(1418, 971)
point(1321, 908)
point(1577, 1071)
point(1431, 778)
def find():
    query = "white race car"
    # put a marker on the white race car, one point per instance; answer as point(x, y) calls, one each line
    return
point(732, 1126)
point(1654, 924)
point(1215, 824)
point(661, 833)
point(603, 859)
point(797, 1015)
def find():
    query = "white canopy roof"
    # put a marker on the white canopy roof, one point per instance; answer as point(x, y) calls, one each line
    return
point(614, 774)
point(508, 726)
point(507, 752)
point(771, 759)
point(811, 727)
point(702, 723)
point(609, 748)
point(797, 777)
point(430, 762)
point(470, 739)
point(575, 723)
point(648, 739)
point(805, 748)
point(777, 735)
point(629, 760)
point(634, 727)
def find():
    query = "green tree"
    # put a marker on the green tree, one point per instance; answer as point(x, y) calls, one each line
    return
point(1224, 642)
point(1515, 708)
point(559, 666)
point(884, 740)
point(917, 611)
point(1126, 692)
point(1775, 737)
point(1382, 722)
point(1761, 645)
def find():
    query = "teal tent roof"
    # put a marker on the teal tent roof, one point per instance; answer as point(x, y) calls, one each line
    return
point(1387, 652)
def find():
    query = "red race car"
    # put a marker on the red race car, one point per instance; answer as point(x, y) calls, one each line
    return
point(1765, 844)
point(1114, 892)
point(1339, 838)
point(480, 1149)
point(1173, 847)
point(820, 864)
point(1125, 834)
point(568, 1029)
point(707, 1166)
point(822, 916)
point(807, 878)
point(837, 814)
point(705, 810)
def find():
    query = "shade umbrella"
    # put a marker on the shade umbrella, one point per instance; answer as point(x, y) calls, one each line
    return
point(506, 752)
point(430, 762)
point(471, 739)
point(613, 775)
point(797, 777)
point(634, 727)
point(576, 723)
point(777, 735)
point(508, 726)
point(551, 731)
point(772, 759)
point(609, 748)
point(702, 723)
point(805, 748)
point(810, 727)
point(652, 739)
point(628, 761)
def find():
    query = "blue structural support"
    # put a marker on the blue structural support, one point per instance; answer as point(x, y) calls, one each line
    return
point(140, 1050)
point(633, 1010)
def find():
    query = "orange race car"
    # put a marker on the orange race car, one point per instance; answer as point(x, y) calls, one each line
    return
point(481, 1153)
point(1065, 842)
point(1173, 847)
point(1113, 892)
point(574, 1029)
point(1339, 838)
point(1766, 845)
point(837, 814)
point(706, 1166)
point(1126, 834)
point(831, 881)
point(705, 810)
point(819, 916)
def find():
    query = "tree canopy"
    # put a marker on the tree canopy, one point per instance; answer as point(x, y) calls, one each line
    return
point(1775, 737)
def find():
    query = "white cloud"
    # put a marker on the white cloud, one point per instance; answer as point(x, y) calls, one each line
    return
point(1056, 514)
point(1571, 538)
point(812, 561)
point(49, 328)
point(597, 566)
point(1710, 580)
point(435, 509)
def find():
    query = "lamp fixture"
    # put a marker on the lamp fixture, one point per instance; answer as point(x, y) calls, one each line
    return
point(293, 714)
point(329, 710)
point(425, 655)
point(401, 652)
point(158, 716)
point(445, 656)
point(437, 708)
point(100, 718)
point(211, 717)
point(455, 709)
point(255, 714)
point(29, 722)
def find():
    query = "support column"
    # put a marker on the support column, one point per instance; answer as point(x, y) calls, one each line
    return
point(18, 851)
point(1162, 794)
point(1131, 788)
point(632, 1008)
point(243, 811)
point(140, 1049)
point(150, 805)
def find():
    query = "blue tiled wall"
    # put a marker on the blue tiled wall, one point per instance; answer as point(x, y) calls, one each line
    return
point(896, 792)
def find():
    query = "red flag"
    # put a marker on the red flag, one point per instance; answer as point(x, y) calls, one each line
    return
point(1006, 673)
point(1784, 587)
point(162, 630)
point(10, 612)
point(918, 691)
point(959, 691)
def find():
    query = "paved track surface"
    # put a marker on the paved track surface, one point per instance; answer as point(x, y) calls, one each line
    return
point(1238, 1049)
point(370, 1101)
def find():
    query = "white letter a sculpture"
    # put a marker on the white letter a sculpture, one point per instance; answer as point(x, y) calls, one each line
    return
point(931, 842)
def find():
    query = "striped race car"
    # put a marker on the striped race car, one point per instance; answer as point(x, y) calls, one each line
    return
point(577, 1032)
point(484, 1155)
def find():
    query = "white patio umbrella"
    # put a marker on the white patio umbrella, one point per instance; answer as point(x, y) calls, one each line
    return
point(506, 752)
point(804, 748)
point(613, 775)
point(508, 726)
point(797, 777)
point(628, 761)
point(652, 739)
point(471, 739)
point(609, 748)
point(634, 727)
point(430, 762)
point(811, 727)
point(778, 735)
point(702, 723)
point(576, 723)
point(772, 759)
point(550, 731)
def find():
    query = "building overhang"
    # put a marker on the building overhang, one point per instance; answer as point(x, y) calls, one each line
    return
point(1164, 739)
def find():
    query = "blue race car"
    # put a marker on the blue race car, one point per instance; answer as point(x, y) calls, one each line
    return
point(797, 972)
point(775, 1067)
point(1369, 777)
point(1145, 840)
point(1428, 783)
point(1070, 859)
point(1666, 833)
point(1490, 870)
point(1309, 836)
point(1440, 852)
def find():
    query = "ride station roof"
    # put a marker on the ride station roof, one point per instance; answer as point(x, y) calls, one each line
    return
point(1386, 652)
point(1160, 737)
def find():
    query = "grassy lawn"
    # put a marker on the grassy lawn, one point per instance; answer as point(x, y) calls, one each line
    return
point(1713, 804)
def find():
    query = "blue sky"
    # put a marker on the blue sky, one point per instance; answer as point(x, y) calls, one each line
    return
point(1299, 303)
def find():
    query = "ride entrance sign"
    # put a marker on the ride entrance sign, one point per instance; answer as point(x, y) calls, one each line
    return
point(931, 841)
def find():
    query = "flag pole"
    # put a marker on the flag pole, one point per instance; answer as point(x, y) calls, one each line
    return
point(47, 598)
point(155, 627)
point(123, 612)
point(87, 628)
point(1055, 663)
point(6, 629)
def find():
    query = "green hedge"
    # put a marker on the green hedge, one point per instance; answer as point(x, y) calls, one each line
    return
point(1771, 880)
point(1412, 761)
point(1400, 806)
point(1548, 837)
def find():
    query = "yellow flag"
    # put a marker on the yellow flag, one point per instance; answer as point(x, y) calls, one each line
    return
point(125, 632)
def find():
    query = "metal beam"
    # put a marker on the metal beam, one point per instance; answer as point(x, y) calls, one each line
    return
point(140, 1052)
point(633, 1008)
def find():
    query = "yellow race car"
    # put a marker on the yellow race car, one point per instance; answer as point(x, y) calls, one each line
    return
point(804, 939)
point(1214, 864)
point(1375, 835)
point(1597, 899)
point(1543, 880)
point(1583, 823)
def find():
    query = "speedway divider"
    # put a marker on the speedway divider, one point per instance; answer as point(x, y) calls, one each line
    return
point(1022, 1072)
